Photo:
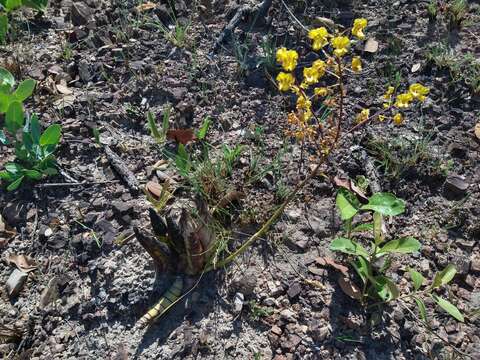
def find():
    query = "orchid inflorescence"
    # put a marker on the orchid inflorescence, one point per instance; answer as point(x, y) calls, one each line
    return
point(333, 49)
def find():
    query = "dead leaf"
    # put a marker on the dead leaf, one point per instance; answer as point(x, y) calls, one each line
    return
point(349, 288)
point(154, 188)
point(415, 67)
point(145, 7)
point(23, 262)
point(228, 199)
point(10, 334)
point(477, 130)
point(326, 261)
point(63, 89)
point(50, 293)
point(182, 136)
point(349, 185)
point(371, 46)
point(2, 224)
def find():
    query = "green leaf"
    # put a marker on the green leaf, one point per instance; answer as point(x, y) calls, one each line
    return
point(35, 129)
point(14, 185)
point(348, 246)
point(362, 267)
point(24, 89)
point(3, 138)
point(40, 5)
point(204, 128)
point(182, 160)
point(33, 174)
point(152, 124)
point(12, 4)
point(448, 307)
point(347, 204)
point(444, 277)
point(404, 245)
point(14, 117)
point(385, 288)
point(386, 204)
point(378, 233)
point(6, 78)
point(5, 175)
point(3, 30)
point(362, 227)
point(417, 278)
point(13, 168)
point(422, 310)
point(50, 171)
point(51, 136)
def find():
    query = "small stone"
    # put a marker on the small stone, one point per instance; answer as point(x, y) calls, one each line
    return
point(276, 330)
point(81, 13)
point(293, 214)
point(269, 302)
point(455, 185)
point(48, 232)
point(122, 207)
point(287, 315)
point(275, 289)
point(238, 303)
point(294, 290)
point(475, 265)
point(15, 282)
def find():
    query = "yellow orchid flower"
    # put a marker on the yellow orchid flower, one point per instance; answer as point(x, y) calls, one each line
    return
point(340, 44)
point(358, 26)
point(320, 91)
point(398, 119)
point(319, 37)
point(356, 64)
point(388, 95)
point(403, 100)
point(418, 91)
point(310, 75)
point(285, 81)
point(363, 116)
point(287, 58)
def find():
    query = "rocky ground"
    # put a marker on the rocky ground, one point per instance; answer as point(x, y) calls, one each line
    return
point(101, 65)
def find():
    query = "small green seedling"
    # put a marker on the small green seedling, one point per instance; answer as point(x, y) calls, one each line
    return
point(372, 263)
point(9, 94)
point(8, 6)
point(33, 149)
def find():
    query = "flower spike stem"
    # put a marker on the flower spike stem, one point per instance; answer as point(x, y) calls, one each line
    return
point(266, 226)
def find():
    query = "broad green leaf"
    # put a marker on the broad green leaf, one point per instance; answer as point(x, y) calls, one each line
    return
point(378, 233)
point(6, 78)
point(422, 310)
point(404, 245)
point(13, 168)
point(35, 128)
point(5, 175)
point(385, 288)
point(33, 174)
point(347, 204)
point(14, 117)
point(348, 246)
point(386, 204)
point(204, 128)
point(3, 30)
point(24, 90)
point(12, 4)
point(448, 307)
point(51, 136)
point(40, 5)
point(3, 138)
point(444, 277)
point(14, 185)
point(417, 279)
point(363, 227)
point(362, 267)
point(5, 100)
point(50, 171)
